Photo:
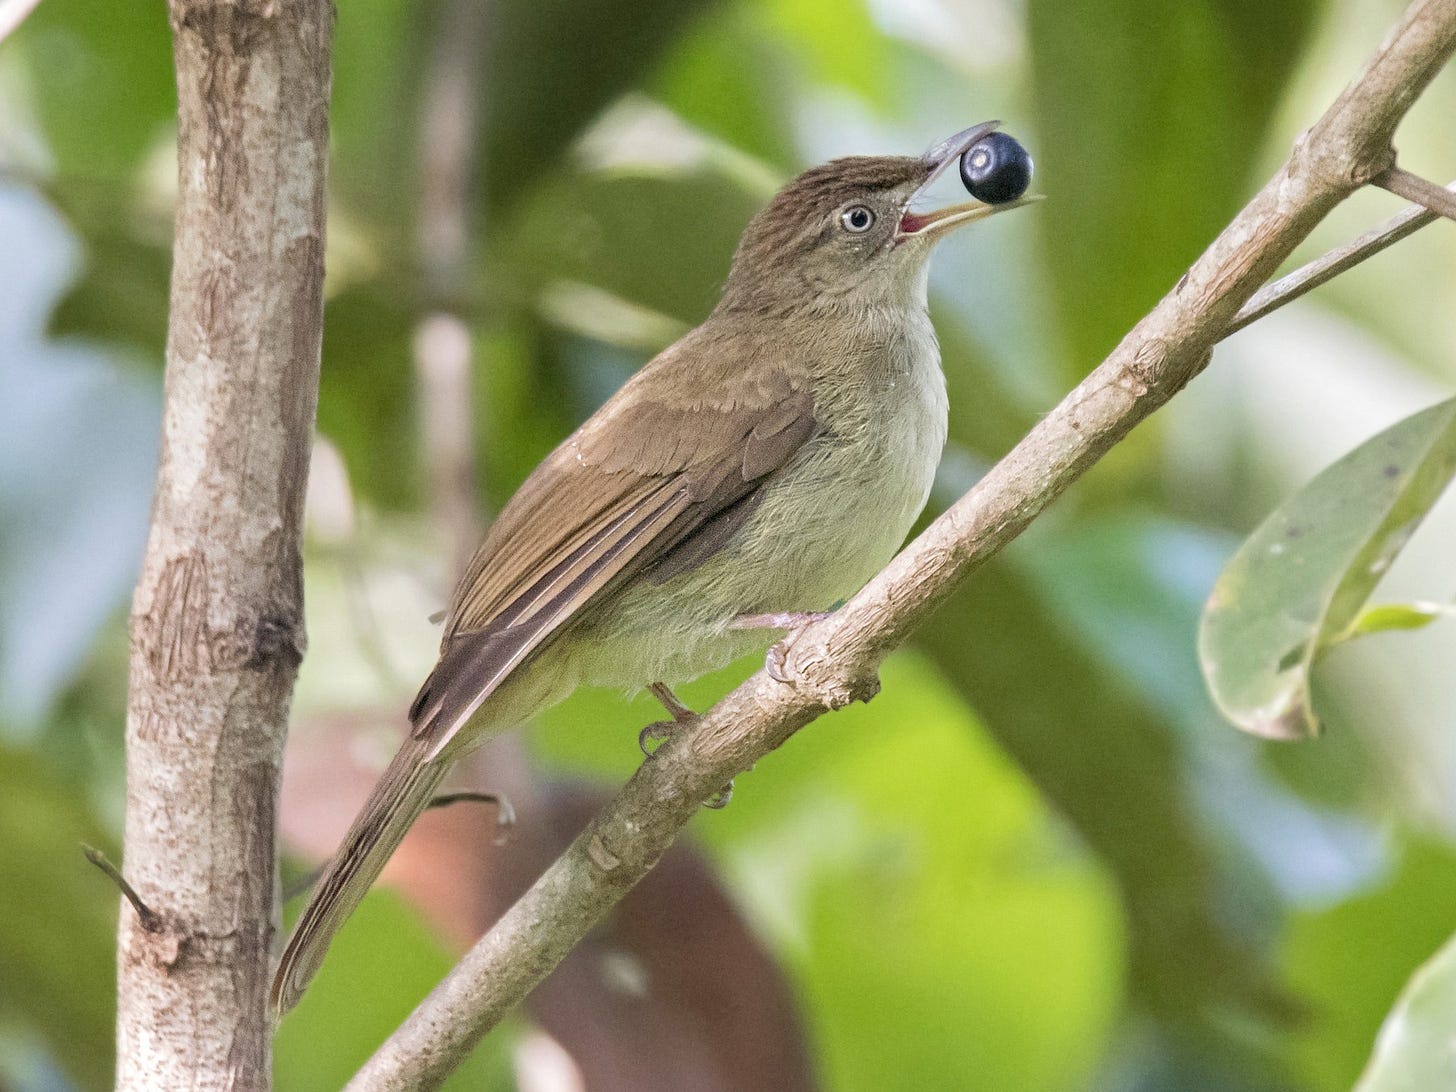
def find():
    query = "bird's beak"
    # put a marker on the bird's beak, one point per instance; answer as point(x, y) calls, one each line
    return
point(934, 224)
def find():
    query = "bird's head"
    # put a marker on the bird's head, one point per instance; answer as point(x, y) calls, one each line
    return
point(844, 234)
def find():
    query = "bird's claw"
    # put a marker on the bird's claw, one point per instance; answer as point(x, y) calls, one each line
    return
point(776, 662)
point(660, 731)
point(656, 734)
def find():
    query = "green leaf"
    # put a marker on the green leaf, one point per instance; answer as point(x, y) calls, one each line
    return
point(936, 916)
point(1298, 583)
point(1105, 755)
point(102, 77)
point(59, 917)
point(589, 229)
point(358, 1000)
point(545, 85)
point(1149, 117)
point(1413, 1052)
point(1387, 616)
point(1349, 963)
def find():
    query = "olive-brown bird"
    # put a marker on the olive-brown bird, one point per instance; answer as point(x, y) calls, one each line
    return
point(766, 464)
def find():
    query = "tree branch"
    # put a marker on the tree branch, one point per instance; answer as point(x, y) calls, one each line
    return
point(1327, 267)
point(1415, 188)
point(835, 661)
point(217, 618)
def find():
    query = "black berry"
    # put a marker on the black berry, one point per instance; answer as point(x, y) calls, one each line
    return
point(996, 169)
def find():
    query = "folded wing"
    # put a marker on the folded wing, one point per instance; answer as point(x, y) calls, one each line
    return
point(645, 487)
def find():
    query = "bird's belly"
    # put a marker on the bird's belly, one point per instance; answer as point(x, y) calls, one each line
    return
point(827, 522)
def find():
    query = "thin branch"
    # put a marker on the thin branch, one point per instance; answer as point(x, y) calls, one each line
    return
point(835, 661)
point(150, 920)
point(1415, 188)
point(505, 814)
point(1329, 266)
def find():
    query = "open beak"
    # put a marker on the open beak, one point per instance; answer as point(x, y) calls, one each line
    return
point(938, 222)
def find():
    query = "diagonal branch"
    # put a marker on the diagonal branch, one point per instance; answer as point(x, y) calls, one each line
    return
point(1327, 267)
point(835, 661)
point(1415, 188)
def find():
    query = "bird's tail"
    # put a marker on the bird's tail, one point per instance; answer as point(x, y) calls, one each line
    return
point(403, 792)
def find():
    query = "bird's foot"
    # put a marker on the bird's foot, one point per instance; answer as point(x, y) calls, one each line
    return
point(658, 732)
point(784, 619)
point(776, 663)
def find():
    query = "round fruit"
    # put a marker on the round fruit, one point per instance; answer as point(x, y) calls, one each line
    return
point(996, 169)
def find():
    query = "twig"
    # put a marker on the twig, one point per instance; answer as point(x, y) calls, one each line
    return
point(1415, 188)
point(505, 814)
point(150, 920)
point(835, 661)
point(1329, 266)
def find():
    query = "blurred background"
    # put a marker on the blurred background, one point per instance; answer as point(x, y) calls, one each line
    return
point(1038, 860)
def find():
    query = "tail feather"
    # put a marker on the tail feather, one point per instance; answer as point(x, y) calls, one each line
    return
point(403, 792)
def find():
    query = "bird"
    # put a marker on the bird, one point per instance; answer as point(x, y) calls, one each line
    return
point(750, 476)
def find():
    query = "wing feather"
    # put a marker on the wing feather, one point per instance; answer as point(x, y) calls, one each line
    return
point(614, 499)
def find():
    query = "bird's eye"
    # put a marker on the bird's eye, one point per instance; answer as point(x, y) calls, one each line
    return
point(857, 218)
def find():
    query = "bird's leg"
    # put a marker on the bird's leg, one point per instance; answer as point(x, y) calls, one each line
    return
point(784, 619)
point(679, 712)
point(776, 663)
point(658, 731)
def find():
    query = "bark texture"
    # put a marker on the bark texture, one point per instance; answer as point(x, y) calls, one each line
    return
point(217, 618)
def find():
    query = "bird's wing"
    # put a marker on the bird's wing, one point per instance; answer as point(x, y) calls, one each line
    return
point(650, 485)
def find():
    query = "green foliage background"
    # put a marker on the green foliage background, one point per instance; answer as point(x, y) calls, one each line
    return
point(1038, 860)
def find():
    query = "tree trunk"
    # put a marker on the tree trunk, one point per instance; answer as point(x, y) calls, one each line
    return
point(217, 619)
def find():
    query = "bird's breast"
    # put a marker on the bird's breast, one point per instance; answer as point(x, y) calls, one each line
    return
point(823, 525)
point(842, 507)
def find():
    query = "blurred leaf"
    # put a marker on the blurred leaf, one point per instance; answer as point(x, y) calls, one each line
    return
point(59, 917)
point(374, 137)
point(1131, 586)
point(1352, 960)
point(1413, 1051)
point(945, 908)
point(1108, 759)
point(643, 238)
point(366, 393)
point(120, 297)
point(1387, 616)
point(72, 536)
point(102, 74)
point(553, 65)
point(726, 78)
point(357, 1001)
point(1150, 116)
point(938, 919)
point(1297, 585)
